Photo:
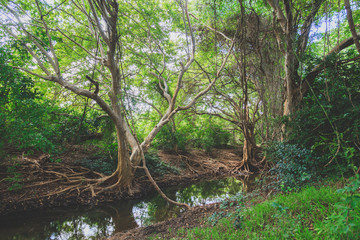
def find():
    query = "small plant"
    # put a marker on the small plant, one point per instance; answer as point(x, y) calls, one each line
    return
point(236, 216)
point(103, 164)
point(58, 160)
point(15, 178)
point(215, 217)
point(345, 221)
point(158, 167)
point(226, 203)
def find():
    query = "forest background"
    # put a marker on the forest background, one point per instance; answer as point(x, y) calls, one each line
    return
point(277, 79)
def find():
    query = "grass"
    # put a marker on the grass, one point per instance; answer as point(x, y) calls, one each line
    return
point(312, 213)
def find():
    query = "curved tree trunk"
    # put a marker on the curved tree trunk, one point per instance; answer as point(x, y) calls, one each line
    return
point(124, 171)
point(249, 149)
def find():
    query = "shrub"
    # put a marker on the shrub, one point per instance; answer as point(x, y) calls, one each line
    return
point(103, 165)
point(328, 118)
point(211, 136)
point(104, 162)
point(168, 140)
point(293, 166)
point(206, 135)
point(157, 167)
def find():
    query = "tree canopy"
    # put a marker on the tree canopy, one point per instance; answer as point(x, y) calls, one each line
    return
point(179, 75)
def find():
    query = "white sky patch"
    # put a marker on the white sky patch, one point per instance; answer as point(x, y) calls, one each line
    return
point(327, 24)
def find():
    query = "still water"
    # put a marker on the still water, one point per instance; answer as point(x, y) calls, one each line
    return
point(105, 220)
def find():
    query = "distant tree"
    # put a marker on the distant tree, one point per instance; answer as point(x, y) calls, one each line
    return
point(249, 90)
point(295, 20)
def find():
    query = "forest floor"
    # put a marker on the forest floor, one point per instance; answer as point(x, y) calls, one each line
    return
point(39, 181)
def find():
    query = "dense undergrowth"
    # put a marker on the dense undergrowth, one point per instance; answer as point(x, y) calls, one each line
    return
point(321, 212)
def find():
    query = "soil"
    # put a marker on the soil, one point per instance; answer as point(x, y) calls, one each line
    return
point(44, 181)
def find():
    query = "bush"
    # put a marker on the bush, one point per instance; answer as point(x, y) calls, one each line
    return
point(22, 112)
point(168, 140)
point(211, 136)
point(104, 162)
point(205, 135)
point(29, 122)
point(293, 166)
point(157, 167)
point(103, 165)
point(328, 119)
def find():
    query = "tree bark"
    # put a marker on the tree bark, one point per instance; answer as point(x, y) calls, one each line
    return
point(124, 171)
point(249, 148)
point(295, 46)
point(291, 78)
point(351, 24)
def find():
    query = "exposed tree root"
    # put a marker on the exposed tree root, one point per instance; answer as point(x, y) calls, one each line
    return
point(201, 163)
point(59, 179)
point(250, 166)
point(75, 178)
point(41, 184)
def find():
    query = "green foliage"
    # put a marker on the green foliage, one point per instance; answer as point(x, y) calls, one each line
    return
point(294, 216)
point(328, 121)
point(104, 162)
point(211, 136)
point(168, 139)
point(293, 166)
point(28, 120)
point(103, 165)
point(21, 111)
point(237, 217)
point(205, 135)
point(15, 177)
point(158, 167)
point(215, 217)
point(345, 221)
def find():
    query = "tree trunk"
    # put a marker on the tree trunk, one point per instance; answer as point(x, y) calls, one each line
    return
point(351, 24)
point(249, 148)
point(291, 76)
point(124, 172)
point(289, 103)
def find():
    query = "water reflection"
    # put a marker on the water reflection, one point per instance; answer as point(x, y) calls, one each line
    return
point(103, 221)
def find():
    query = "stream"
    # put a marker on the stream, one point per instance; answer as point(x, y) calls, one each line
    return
point(106, 219)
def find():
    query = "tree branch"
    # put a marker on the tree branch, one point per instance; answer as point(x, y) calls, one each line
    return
point(351, 24)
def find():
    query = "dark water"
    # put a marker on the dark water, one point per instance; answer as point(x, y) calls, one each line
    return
point(104, 220)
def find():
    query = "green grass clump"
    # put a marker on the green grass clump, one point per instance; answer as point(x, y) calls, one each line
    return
point(313, 213)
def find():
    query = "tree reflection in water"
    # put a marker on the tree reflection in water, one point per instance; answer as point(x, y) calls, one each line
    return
point(103, 221)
